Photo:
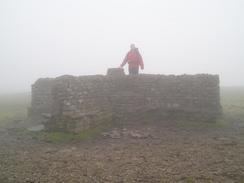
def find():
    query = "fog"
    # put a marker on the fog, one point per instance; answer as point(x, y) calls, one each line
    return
point(49, 38)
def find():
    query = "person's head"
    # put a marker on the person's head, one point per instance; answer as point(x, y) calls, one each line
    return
point(132, 46)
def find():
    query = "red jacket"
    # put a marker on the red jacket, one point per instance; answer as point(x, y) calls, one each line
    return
point(134, 59)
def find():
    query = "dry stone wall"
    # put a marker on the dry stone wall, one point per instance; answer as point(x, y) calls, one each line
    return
point(41, 101)
point(73, 104)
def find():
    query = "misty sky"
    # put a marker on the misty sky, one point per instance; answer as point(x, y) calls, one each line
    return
point(49, 38)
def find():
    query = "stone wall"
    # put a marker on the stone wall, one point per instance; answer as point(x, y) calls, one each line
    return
point(77, 103)
point(41, 100)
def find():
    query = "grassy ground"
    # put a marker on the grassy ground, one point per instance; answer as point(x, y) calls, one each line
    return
point(13, 107)
point(232, 99)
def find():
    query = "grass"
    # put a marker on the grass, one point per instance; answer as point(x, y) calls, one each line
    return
point(58, 137)
point(189, 180)
point(242, 180)
point(62, 137)
point(232, 99)
point(13, 107)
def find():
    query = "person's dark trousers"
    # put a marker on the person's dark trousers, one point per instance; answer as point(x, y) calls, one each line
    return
point(133, 70)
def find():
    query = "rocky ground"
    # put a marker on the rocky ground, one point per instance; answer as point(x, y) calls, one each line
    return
point(163, 152)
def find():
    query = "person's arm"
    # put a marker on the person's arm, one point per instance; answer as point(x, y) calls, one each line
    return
point(124, 61)
point(141, 62)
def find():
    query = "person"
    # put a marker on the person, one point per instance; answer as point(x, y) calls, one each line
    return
point(134, 60)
